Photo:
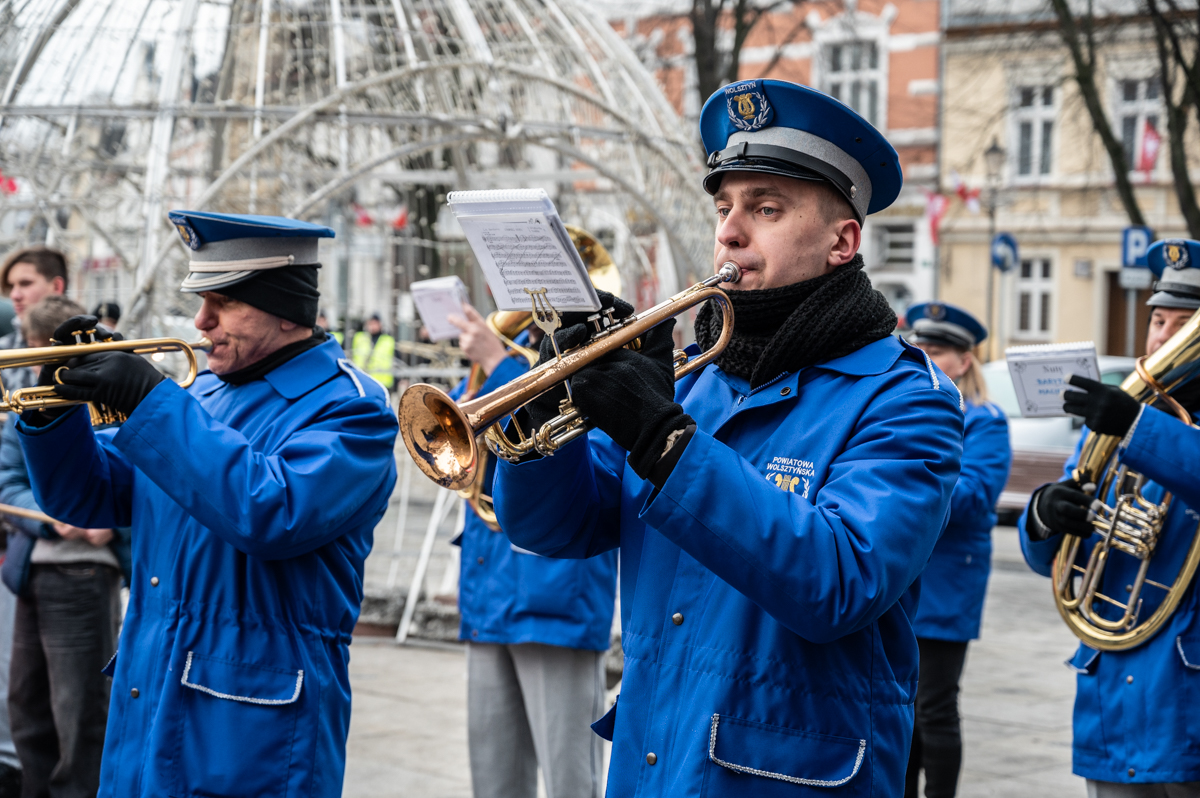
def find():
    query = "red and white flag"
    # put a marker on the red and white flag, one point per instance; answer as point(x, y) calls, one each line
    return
point(936, 206)
point(1151, 144)
point(361, 217)
point(969, 196)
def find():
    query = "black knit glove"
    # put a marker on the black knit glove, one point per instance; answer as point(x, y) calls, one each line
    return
point(83, 330)
point(69, 332)
point(1061, 507)
point(631, 396)
point(1106, 409)
point(119, 380)
point(574, 331)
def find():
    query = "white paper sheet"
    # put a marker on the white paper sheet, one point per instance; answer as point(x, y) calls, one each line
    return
point(435, 300)
point(1040, 373)
point(522, 245)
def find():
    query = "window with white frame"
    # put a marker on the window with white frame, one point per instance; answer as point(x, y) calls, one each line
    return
point(895, 245)
point(1035, 298)
point(853, 75)
point(1033, 118)
point(1138, 107)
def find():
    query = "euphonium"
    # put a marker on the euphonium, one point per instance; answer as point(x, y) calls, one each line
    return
point(507, 325)
point(1133, 525)
point(43, 396)
point(441, 435)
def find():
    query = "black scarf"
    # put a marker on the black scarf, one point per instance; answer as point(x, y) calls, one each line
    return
point(780, 330)
point(259, 369)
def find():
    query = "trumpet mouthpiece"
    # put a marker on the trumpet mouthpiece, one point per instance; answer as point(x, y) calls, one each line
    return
point(730, 272)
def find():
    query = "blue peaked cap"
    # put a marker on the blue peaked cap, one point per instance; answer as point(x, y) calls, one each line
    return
point(228, 248)
point(1176, 264)
point(948, 325)
point(777, 127)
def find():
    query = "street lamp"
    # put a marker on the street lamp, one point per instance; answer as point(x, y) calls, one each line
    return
point(993, 161)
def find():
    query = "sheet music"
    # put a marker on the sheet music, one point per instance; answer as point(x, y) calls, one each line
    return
point(521, 243)
point(1040, 373)
point(435, 300)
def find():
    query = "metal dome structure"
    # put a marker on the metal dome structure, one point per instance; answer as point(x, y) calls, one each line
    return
point(114, 111)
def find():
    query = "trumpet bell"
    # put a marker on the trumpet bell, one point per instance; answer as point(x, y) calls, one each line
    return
point(438, 436)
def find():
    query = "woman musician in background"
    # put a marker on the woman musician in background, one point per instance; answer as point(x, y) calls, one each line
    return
point(954, 583)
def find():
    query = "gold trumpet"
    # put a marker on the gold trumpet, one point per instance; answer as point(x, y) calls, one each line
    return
point(441, 435)
point(40, 397)
point(507, 325)
point(1133, 525)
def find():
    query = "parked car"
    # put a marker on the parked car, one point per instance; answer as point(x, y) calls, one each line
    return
point(1040, 445)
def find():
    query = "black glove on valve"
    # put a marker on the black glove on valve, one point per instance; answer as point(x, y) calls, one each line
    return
point(64, 335)
point(631, 396)
point(119, 380)
point(1106, 409)
point(1061, 507)
point(574, 331)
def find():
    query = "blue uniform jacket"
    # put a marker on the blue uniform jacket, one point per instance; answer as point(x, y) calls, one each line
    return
point(765, 590)
point(508, 595)
point(24, 532)
point(253, 508)
point(1146, 730)
point(955, 581)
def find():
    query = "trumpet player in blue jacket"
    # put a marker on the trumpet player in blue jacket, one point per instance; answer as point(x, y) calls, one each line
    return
point(1136, 725)
point(774, 508)
point(955, 581)
point(536, 631)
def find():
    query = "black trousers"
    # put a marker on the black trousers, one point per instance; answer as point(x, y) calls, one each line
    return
point(65, 633)
point(937, 733)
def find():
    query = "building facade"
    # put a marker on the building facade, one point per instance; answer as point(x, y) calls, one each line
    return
point(1009, 82)
point(882, 59)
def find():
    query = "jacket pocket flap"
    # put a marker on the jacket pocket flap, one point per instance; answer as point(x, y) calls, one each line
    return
point(237, 681)
point(1084, 660)
point(1189, 651)
point(608, 723)
point(775, 752)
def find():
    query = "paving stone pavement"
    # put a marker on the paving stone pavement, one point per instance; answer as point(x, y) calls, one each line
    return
point(408, 729)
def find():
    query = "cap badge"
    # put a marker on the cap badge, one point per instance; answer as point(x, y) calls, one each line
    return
point(188, 235)
point(935, 311)
point(748, 106)
point(1175, 254)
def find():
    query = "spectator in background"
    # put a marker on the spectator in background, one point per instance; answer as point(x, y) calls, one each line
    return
point(323, 323)
point(373, 351)
point(109, 314)
point(67, 582)
point(26, 277)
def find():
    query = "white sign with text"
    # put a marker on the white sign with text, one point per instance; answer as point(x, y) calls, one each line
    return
point(1040, 373)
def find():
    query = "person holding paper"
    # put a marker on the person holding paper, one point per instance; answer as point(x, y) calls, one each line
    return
point(536, 631)
point(775, 509)
point(954, 583)
point(1135, 720)
point(253, 495)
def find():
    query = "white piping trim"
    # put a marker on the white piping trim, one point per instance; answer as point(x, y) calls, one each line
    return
point(247, 265)
point(712, 754)
point(348, 367)
point(937, 384)
point(1070, 662)
point(244, 699)
point(1128, 439)
point(1182, 656)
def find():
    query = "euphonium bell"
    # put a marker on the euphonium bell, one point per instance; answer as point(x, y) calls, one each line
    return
point(1133, 526)
point(43, 396)
point(441, 434)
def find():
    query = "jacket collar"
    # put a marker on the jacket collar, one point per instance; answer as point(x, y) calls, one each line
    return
point(294, 378)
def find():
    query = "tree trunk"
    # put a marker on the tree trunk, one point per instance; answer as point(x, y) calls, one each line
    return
point(1085, 77)
point(1171, 56)
point(705, 17)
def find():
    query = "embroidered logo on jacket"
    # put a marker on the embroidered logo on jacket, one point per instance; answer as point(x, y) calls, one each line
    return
point(792, 475)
